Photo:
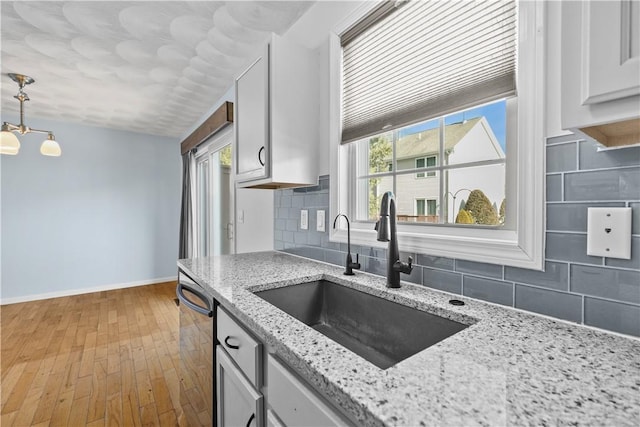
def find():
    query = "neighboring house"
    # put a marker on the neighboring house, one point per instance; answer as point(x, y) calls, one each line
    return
point(469, 141)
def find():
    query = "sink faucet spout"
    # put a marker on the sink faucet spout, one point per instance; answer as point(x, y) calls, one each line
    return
point(387, 232)
point(349, 264)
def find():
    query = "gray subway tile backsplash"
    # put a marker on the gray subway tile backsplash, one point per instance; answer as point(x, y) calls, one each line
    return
point(591, 158)
point(552, 303)
point(291, 225)
point(614, 316)
point(562, 157)
point(610, 283)
point(600, 185)
point(633, 263)
point(488, 290)
point(635, 218)
point(554, 276)
point(572, 216)
point(335, 257)
point(554, 188)
point(569, 247)
point(479, 268)
point(442, 280)
point(435, 261)
point(375, 265)
point(415, 276)
point(285, 202)
point(606, 290)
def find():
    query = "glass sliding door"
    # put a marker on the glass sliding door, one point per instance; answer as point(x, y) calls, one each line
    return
point(204, 194)
point(215, 197)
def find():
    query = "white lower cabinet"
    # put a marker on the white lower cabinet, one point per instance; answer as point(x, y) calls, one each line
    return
point(239, 403)
point(255, 392)
point(273, 420)
point(294, 403)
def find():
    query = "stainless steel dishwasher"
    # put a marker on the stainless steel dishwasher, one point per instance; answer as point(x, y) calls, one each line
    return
point(196, 353)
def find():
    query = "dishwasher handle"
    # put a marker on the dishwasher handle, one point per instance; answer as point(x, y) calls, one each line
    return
point(207, 311)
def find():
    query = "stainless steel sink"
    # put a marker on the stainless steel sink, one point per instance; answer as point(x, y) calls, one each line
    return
point(381, 331)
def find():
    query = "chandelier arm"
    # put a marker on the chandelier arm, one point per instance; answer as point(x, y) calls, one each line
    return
point(10, 126)
point(40, 131)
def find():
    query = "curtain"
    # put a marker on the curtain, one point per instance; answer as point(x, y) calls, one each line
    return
point(185, 249)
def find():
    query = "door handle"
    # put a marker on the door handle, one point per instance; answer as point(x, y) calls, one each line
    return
point(251, 419)
point(260, 155)
point(207, 311)
point(226, 342)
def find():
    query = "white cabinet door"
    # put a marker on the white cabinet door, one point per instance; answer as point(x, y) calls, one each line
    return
point(239, 404)
point(611, 51)
point(251, 124)
point(245, 351)
point(276, 118)
point(295, 403)
point(601, 69)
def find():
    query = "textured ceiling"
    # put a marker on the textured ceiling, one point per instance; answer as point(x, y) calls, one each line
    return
point(152, 67)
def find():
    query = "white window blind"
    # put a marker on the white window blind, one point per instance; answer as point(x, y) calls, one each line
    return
point(426, 59)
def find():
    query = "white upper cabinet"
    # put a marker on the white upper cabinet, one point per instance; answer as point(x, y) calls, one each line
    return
point(601, 70)
point(276, 115)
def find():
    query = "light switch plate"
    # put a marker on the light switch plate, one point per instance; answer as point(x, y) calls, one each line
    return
point(609, 232)
point(304, 219)
point(320, 220)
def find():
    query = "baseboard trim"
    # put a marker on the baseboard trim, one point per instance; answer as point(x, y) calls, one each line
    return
point(70, 292)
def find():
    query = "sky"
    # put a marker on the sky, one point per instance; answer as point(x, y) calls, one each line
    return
point(495, 113)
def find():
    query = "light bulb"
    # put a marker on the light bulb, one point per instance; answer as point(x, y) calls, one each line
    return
point(50, 147)
point(9, 143)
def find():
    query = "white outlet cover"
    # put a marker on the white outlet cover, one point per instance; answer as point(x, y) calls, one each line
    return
point(609, 232)
point(304, 219)
point(320, 220)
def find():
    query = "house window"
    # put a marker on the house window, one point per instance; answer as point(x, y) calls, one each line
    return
point(425, 208)
point(467, 121)
point(423, 162)
point(431, 207)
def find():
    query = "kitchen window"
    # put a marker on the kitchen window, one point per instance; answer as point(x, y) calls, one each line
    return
point(423, 162)
point(441, 103)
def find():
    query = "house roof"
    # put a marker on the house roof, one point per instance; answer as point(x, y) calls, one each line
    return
point(428, 142)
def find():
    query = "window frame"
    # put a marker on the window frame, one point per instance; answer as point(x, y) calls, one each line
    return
point(521, 242)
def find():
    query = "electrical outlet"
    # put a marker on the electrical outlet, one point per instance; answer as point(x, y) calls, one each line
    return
point(304, 219)
point(320, 220)
point(609, 232)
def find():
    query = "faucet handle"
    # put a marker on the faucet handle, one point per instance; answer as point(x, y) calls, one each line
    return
point(402, 267)
point(356, 264)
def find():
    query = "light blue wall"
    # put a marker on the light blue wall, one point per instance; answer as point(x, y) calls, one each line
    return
point(104, 213)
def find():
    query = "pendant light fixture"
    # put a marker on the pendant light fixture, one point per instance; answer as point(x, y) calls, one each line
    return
point(9, 143)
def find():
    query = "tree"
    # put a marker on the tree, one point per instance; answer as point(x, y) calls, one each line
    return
point(479, 206)
point(503, 209)
point(225, 156)
point(464, 217)
point(379, 154)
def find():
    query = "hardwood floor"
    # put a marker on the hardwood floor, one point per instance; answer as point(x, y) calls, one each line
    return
point(106, 358)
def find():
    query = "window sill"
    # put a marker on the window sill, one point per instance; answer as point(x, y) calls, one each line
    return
point(502, 249)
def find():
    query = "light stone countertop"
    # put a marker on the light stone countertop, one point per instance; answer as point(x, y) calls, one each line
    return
point(507, 368)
